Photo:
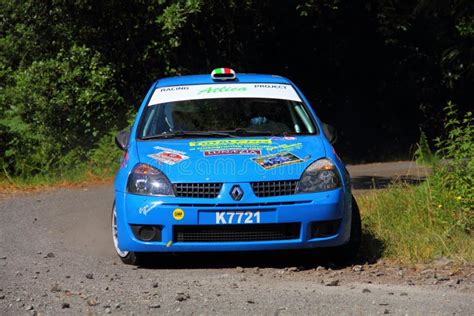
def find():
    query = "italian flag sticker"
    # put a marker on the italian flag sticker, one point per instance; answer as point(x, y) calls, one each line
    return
point(223, 73)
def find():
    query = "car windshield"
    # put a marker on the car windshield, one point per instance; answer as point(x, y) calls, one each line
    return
point(225, 117)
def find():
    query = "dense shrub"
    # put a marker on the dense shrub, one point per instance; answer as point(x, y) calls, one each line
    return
point(105, 157)
point(56, 111)
point(454, 173)
point(435, 218)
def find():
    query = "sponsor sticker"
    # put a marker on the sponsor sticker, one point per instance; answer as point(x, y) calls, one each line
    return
point(230, 144)
point(170, 150)
point(284, 147)
point(277, 160)
point(213, 91)
point(169, 158)
point(232, 152)
point(178, 214)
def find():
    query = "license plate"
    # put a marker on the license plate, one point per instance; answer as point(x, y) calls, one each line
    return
point(238, 217)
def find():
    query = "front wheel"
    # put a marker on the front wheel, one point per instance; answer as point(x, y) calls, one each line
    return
point(347, 253)
point(127, 257)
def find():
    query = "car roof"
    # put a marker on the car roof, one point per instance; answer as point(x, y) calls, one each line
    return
point(206, 79)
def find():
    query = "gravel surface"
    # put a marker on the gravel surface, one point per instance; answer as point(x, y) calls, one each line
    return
point(56, 256)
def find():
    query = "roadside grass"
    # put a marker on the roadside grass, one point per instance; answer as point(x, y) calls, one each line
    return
point(98, 166)
point(41, 182)
point(416, 224)
point(89, 174)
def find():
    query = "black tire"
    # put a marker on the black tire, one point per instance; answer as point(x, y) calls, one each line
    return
point(127, 257)
point(133, 258)
point(347, 253)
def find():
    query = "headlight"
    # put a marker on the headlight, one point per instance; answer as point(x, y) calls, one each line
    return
point(147, 180)
point(321, 175)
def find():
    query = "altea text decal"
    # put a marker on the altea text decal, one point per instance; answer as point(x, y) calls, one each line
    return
point(230, 90)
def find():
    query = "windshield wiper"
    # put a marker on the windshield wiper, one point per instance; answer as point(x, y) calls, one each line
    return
point(189, 134)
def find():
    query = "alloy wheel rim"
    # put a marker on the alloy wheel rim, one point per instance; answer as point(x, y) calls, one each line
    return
point(114, 235)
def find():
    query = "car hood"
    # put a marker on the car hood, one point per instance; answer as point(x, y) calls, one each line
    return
point(245, 159)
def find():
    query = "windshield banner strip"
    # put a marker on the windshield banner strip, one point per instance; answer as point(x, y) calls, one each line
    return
point(218, 91)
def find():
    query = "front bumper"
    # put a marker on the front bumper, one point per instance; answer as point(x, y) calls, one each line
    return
point(301, 209)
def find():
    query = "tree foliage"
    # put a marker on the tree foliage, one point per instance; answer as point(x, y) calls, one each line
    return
point(58, 107)
point(72, 71)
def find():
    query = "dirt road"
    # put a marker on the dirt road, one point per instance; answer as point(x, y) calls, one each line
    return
point(56, 256)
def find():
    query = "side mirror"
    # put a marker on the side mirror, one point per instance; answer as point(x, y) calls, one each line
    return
point(121, 139)
point(330, 133)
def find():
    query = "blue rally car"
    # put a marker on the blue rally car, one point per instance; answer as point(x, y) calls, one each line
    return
point(230, 162)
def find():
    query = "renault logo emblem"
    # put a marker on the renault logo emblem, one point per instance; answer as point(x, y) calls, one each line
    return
point(236, 193)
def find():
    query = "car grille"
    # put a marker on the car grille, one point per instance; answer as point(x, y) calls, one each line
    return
point(197, 190)
point(229, 233)
point(274, 188)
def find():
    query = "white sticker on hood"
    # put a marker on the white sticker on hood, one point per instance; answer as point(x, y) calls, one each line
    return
point(169, 158)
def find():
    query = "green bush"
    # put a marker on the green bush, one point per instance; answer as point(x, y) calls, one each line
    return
point(423, 153)
point(105, 158)
point(56, 111)
point(435, 218)
point(455, 173)
point(413, 227)
point(452, 178)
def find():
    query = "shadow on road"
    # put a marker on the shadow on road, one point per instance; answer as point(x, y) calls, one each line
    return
point(371, 250)
point(268, 259)
point(376, 182)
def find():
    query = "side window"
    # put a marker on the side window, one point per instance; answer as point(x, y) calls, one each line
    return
point(303, 119)
point(150, 121)
point(297, 123)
